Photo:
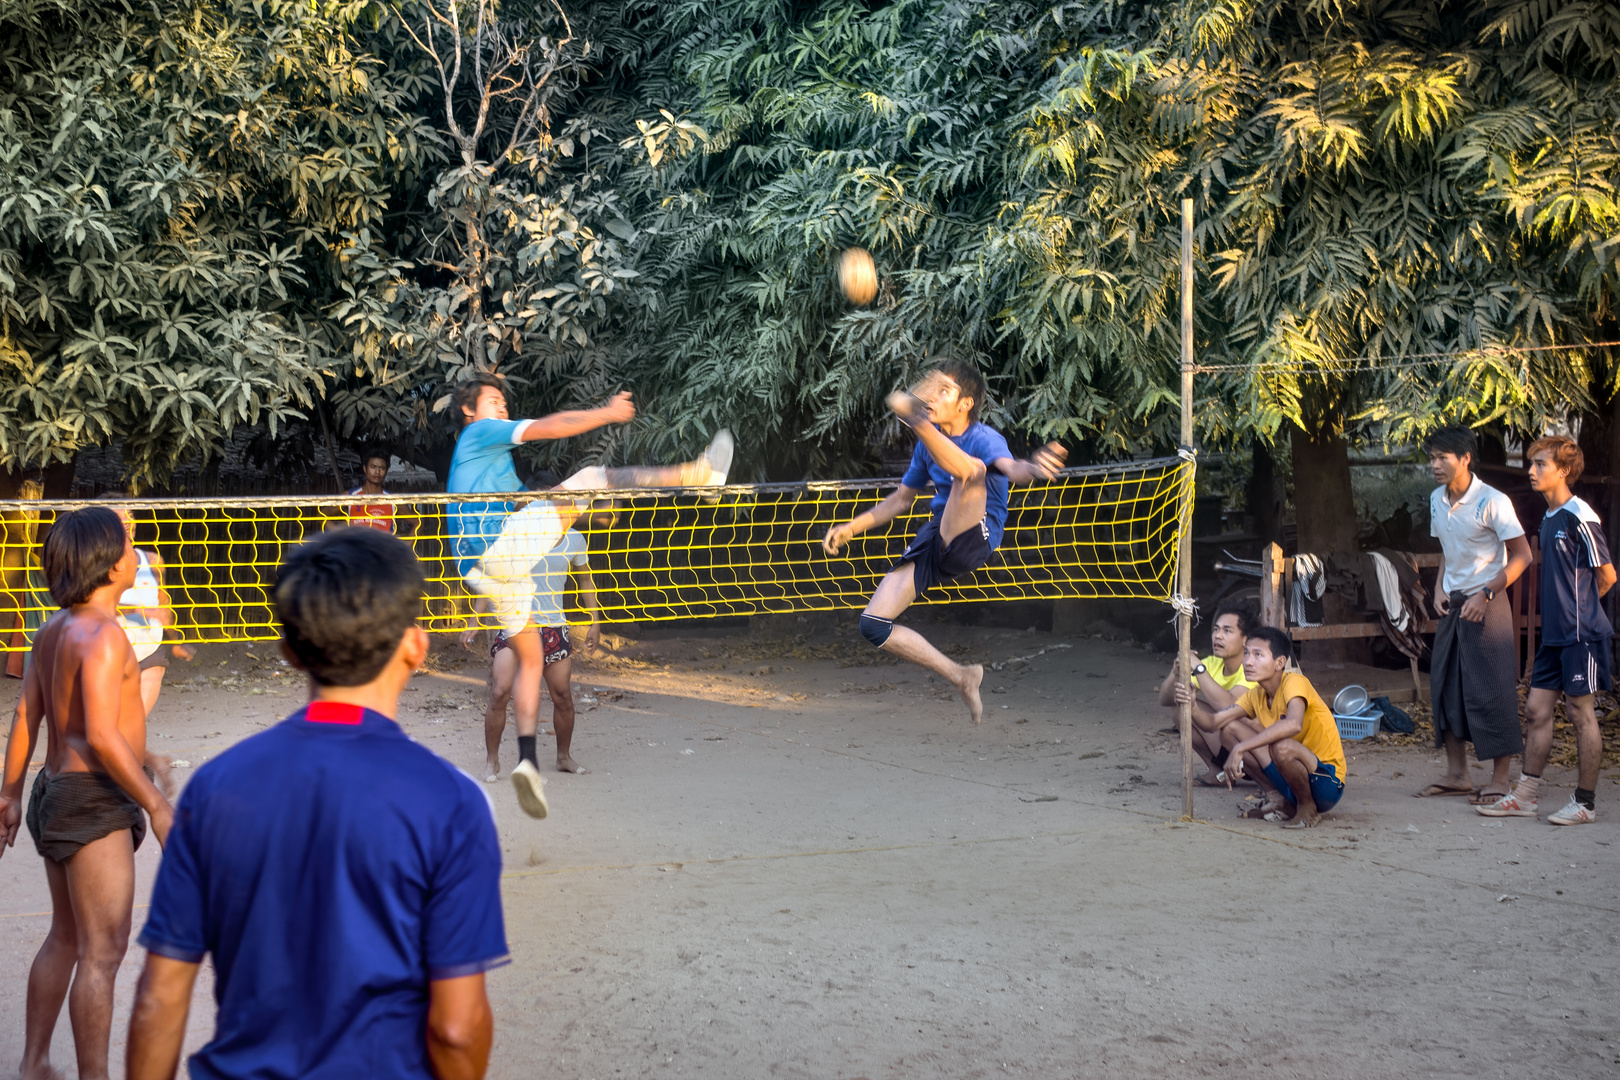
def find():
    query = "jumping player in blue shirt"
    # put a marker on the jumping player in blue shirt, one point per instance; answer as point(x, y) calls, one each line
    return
point(970, 466)
point(1573, 659)
point(497, 546)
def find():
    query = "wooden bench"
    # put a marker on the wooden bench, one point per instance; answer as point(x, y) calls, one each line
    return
point(1277, 582)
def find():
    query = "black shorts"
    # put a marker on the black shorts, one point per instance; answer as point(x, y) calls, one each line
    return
point(1576, 670)
point(159, 658)
point(936, 561)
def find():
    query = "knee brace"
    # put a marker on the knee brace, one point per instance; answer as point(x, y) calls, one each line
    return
point(875, 629)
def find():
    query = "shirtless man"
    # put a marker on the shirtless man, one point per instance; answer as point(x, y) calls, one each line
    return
point(551, 574)
point(970, 467)
point(85, 810)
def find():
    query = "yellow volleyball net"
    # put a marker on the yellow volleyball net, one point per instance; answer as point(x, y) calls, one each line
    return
point(1096, 532)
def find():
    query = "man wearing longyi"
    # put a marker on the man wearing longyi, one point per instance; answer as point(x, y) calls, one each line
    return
point(85, 809)
point(345, 879)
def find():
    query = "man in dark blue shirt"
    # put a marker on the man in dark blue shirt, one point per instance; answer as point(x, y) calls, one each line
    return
point(345, 879)
point(970, 467)
point(1576, 572)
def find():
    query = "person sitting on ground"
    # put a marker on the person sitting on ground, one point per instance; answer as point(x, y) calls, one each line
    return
point(1474, 678)
point(1218, 681)
point(345, 878)
point(1576, 573)
point(1282, 733)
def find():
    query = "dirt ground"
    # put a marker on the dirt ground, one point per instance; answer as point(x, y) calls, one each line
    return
point(790, 859)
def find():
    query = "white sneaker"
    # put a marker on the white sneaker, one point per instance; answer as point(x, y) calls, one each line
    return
point(1573, 814)
point(531, 789)
point(718, 457)
point(1509, 805)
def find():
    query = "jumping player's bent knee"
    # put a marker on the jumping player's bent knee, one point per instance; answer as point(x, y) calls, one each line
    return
point(876, 629)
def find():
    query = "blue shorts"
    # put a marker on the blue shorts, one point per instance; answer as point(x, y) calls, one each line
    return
point(1326, 787)
point(1576, 670)
point(935, 561)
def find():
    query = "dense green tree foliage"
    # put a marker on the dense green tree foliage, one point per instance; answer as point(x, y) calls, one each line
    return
point(321, 213)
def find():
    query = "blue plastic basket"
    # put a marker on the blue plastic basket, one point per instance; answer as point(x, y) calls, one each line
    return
point(1361, 726)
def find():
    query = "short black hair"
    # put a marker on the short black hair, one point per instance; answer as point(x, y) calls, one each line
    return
point(1247, 616)
point(344, 600)
point(967, 379)
point(1453, 440)
point(466, 393)
point(377, 455)
point(1278, 642)
point(80, 551)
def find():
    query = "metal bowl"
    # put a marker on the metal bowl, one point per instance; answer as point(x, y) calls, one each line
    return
point(1351, 701)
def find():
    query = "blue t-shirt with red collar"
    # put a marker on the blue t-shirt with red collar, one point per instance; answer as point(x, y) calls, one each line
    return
point(1572, 548)
point(986, 444)
point(332, 867)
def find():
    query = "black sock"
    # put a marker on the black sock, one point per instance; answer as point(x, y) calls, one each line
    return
point(1586, 797)
point(526, 750)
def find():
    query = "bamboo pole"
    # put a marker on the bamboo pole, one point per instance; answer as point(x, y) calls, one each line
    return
point(1184, 555)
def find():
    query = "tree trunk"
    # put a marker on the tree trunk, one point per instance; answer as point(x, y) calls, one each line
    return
point(1325, 514)
point(1324, 507)
point(1264, 497)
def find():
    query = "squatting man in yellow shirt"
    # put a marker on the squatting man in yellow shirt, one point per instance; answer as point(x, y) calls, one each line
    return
point(1218, 680)
point(1281, 733)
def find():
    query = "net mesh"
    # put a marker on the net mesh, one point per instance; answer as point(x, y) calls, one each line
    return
point(1090, 533)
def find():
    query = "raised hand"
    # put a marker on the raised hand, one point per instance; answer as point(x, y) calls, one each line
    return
point(619, 409)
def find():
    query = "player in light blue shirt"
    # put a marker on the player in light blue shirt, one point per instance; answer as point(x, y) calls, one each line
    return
point(970, 466)
point(498, 546)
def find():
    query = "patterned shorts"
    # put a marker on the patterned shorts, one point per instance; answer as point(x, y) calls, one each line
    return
point(554, 644)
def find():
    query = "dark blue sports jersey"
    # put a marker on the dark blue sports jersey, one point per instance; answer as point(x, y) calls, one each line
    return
point(1572, 548)
point(986, 444)
point(332, 867)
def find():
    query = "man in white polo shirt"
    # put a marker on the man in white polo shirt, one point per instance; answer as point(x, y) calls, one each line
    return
point(1473, 681)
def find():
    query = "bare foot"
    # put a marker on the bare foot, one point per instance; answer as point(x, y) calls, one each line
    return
point(492, 770)
point(972, 676)
point(566, 763)
point(41, 1072)
point(1304, 819)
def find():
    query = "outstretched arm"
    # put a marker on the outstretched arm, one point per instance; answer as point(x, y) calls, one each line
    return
point(561, 425)
point(1043, 464)
point(897, 503)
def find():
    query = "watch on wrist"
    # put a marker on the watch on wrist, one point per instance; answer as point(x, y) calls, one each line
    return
point(1490, 593)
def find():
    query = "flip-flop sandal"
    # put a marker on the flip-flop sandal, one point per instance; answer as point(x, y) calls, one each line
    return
point(1201, 782)
point(1276, 817)
point(1434, 791)
point(1297, 825)
point(1481, 797)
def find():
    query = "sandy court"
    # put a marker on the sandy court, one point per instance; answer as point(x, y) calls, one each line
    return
point(780, 865)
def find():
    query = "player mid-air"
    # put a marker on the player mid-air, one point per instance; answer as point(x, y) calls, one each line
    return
point(498, 547)
point(970, 467)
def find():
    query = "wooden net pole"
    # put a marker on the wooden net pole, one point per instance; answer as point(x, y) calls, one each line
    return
point(1184, 555)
